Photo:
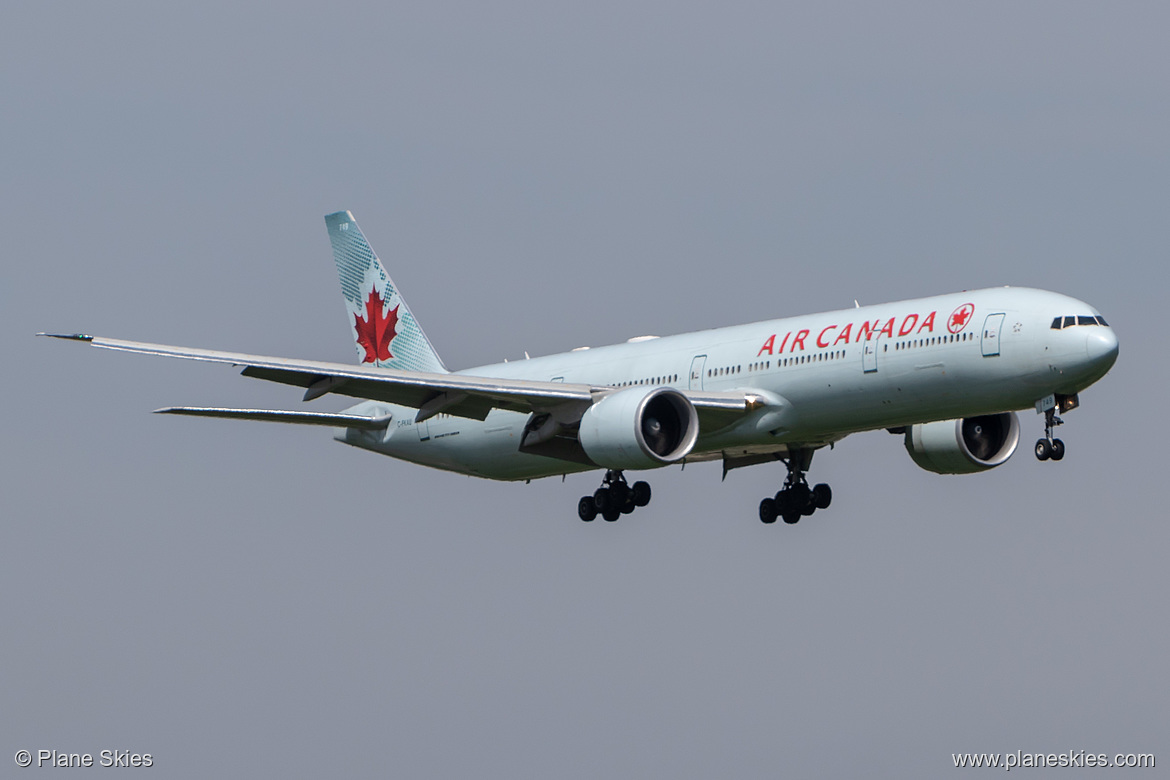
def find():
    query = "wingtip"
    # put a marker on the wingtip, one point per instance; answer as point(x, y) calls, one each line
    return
point(68, 336)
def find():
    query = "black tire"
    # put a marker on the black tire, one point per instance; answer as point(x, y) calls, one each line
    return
point(1043, 449)
point(619, 494)
point(641, 493)
point(822, 496)
point(768, 511)
point(587, 509)
point(629, 506)
point(799, 495)
point(792, 518)
point(782, 500)
point(808, 508)
point(610, 515)
point(601, 499)
point(1057, 449)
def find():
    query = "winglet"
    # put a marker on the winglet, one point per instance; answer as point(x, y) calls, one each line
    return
point(68, 336)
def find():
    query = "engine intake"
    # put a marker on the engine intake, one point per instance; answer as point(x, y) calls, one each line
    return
point(966, 445)
point(639, 429)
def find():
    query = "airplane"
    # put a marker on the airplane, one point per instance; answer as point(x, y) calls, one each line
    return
point(947, 373)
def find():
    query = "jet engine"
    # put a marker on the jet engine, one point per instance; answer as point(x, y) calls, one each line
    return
point(966, 445)
point(638, 428)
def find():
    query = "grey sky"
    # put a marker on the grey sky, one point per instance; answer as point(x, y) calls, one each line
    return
point(240, 599)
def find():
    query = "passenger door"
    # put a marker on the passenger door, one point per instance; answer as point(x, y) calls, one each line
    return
point(869, 350)
point(698, 365)
point(991, 328)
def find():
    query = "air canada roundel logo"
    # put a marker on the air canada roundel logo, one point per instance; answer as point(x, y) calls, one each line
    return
point(960, 317)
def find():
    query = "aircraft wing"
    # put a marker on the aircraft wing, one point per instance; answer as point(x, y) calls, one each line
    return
point(431, 393)
point(463, 396)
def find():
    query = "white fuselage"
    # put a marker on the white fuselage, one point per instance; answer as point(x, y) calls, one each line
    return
point(825, 375)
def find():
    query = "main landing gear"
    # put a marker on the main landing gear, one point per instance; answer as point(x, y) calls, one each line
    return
point(796, 499)
point(614, 498)
point(1049, 447)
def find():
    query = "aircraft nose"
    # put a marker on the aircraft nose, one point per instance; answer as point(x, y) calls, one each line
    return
point(1101, 347)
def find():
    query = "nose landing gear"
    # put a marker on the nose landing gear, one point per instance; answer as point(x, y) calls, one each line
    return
point(796, 499)
point(1048, 447)
point(614, 498)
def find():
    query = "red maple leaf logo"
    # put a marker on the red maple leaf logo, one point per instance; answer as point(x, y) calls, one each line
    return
point(376, 331)
point(959, 317)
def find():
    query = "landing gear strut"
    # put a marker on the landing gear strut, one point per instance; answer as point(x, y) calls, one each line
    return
point(796, 499)
point(1049, 447)
point(614, 498)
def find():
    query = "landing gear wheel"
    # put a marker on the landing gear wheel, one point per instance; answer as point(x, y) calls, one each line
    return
point(796, 499)
point(768, 511)
point(822, 496)
point(614, 498)
point(798, 495)
point(619, 493)
point(1044, 449)
point(641, 493)
point(1057, 449)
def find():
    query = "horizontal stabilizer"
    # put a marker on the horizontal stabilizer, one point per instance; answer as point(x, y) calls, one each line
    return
point(359, 421)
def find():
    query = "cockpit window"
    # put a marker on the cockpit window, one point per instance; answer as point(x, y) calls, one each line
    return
point(1070, 320)
point(1101, 321)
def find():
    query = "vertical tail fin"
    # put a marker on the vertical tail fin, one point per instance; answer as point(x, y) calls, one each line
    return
point(384, 330)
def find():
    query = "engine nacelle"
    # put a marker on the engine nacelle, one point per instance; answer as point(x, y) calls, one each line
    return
point(639, 428)
point(966, 445)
